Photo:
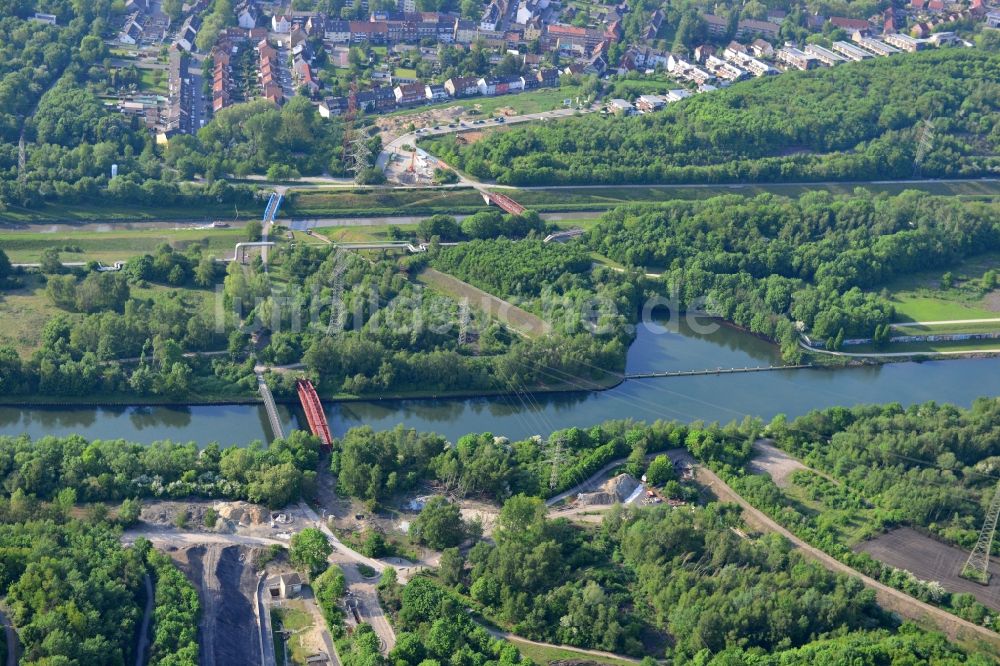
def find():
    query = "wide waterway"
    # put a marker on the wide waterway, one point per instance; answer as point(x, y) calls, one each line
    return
point(708, 397)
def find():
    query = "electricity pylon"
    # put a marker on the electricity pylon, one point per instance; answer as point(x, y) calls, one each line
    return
point(977, 566)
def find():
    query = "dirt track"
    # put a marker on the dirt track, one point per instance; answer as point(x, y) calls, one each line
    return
point(889, 598)
point(929, 559)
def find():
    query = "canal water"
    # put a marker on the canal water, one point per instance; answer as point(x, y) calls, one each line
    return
point(708, 397)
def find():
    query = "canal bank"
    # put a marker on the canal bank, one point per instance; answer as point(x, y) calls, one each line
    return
point(722, 397)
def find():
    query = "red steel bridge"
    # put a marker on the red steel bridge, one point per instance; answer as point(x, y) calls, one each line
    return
point(503, 201)
point(314, 411)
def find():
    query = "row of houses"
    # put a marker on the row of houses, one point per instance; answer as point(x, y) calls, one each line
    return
point(384, 98)
point(647, 103)
point(270, 75)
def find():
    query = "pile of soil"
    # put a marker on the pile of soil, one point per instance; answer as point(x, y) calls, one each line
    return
point(618, 489)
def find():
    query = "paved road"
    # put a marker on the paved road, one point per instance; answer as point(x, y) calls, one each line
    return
point(147, 617)
point(13, 644)
point(950, 352)
point(364, 589)
point(267, 656)
point(946, 322)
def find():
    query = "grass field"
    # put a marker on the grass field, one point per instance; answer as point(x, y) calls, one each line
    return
point(110, 246)
point(545, 655)
point(381, 202)
point(510, 315)
point(101, 211)
point(535, 101)
point(23, 315)
point(922, 297)
point(983, 327)
point(926, 308)
point(295, 620)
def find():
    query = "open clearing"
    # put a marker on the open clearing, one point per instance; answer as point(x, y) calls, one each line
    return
point(103, 211)
point(507, 313)
point(931, 560)
point(775, 463)
point(23, 314)
point(109, 246)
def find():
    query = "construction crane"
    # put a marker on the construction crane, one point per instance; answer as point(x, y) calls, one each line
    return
point(977, 566)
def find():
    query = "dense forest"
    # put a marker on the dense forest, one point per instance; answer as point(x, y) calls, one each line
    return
point(854, 122)
point(373, 466)
point(767, 262)
point(75, 594)
point(102, 470)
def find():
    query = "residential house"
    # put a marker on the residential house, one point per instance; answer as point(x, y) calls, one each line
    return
point(850, 51)
point(435, 92)
point(702, 52)
point(131, 33)
point(332, 106)
point(748, 62)
point(337, 31)
point(44, 18)
point(723, 70)
point(793, 57)
point(749, 27)
point(678, 94)
point(373, 32)
point(465, 31)
point(876, 46)
point(410, 93)
point(762, 49)
point(247, 15)
point(281, 23)
point(826, 56)
point(548, 78)
point(491, 17)
point(487, 87)
point(905, 42)
point(776, 15)
point(851, 25)
point(716, 25)
point(462, 86)
point(621, 107)
point(185, 38)
point(289, 586)
point(650, 103)
point(993, 20)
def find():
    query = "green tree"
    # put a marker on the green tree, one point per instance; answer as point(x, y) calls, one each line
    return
point(660, 471)
point(439, 524)
point(50, 263)
point(450, 566)
point(128, 512)
point(309, 550)
point(989, 278)
point(254, 231)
